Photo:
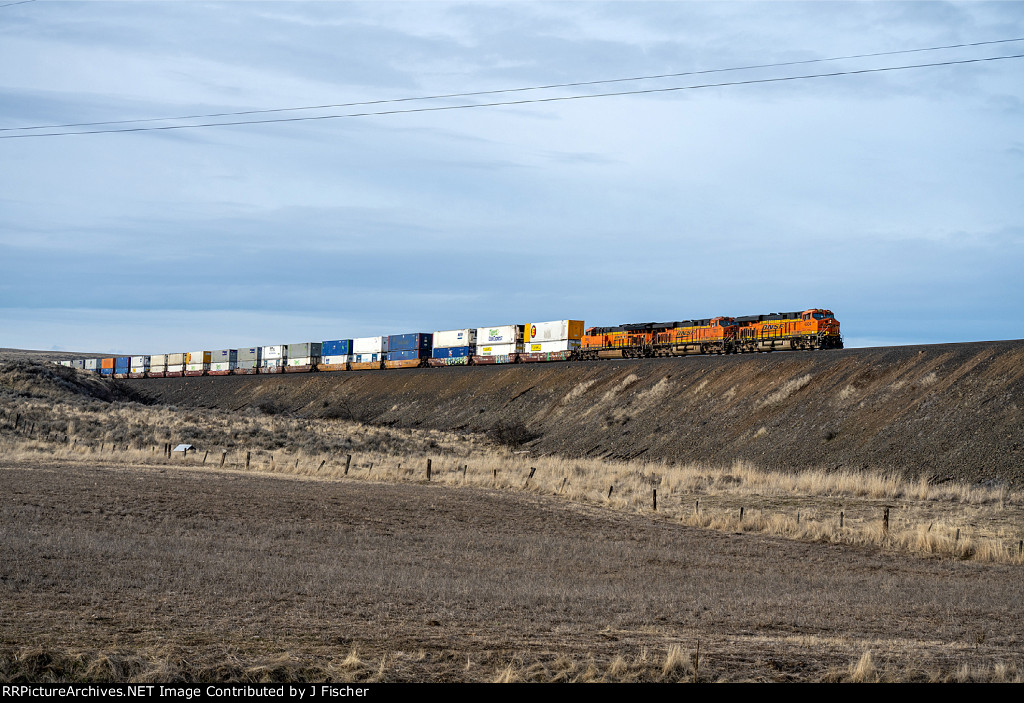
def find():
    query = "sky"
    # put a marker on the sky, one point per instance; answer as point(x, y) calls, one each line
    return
point(892, 198)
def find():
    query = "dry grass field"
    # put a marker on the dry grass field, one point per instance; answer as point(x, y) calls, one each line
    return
point(120, 563)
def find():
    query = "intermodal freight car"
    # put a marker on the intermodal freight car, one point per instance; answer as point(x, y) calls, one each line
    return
point(559, 340)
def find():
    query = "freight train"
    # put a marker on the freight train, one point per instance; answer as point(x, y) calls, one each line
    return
point(559, 340)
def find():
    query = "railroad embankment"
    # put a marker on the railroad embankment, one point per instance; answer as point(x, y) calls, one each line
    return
point(948, 411)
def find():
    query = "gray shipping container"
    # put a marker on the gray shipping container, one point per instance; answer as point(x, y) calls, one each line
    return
point(250, 354)
point(304, 350)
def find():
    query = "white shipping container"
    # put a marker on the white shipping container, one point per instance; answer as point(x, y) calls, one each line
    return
point(499, 334)
point(369, 345)
point(223, 366)
point(157, 369)
point(140, 369)
point(197, 367)
point(272, 363)
point(274, 352)
point(544, 347)
point(158, 360)
point(303, 361)
point(92, 364)
point(336, 359)
point(454, 338)
point(197, 357)
point(553, 331)
point(175, 368)
point(176, 359)
point(140, 361)
point(498, 349)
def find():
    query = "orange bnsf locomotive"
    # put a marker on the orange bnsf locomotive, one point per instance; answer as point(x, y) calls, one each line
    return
point(810, 329)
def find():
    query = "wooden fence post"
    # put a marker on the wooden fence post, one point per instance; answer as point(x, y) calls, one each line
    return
point(321, 464)
point(741, 513)
point(428, 470)
point(348, 462)
point(205, 454)
point(841, 516)
point(223, 456)
point(248, 455)
point(655, 499)
point(885, 519)
point(610, 492)
point(564, 479)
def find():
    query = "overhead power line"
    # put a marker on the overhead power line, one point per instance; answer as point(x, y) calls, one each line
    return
point(507, 103)
point(479, 93)
point(20, 2)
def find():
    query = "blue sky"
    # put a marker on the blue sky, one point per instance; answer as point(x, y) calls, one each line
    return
point(892, 198)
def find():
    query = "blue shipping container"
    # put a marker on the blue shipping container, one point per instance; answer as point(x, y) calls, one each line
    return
point(107, 372)
point(337, 347)
point(414, 340)
point(451, 352)
point(122, 362)
point(408, 354)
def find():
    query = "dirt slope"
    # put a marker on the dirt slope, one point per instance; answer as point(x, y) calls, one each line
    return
point(948, 411)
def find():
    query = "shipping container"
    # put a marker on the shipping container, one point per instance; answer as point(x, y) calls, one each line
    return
point(451, 352)
point(197, 357)
point(122, 362)
point(107, 371)
point(107, 363)
point(369, 345)
point(455, 338)
point(553, 331)
point(498, 349)
point(303, 350)
point(175, 371)
point(222, 366)
point(253, 354)
point(272, 363)
point(177, 359)
point(337, 347)
point(138, 369)
point(499, 334)
point(78, 364)
point(302, 360)
point(337, 359)
point(246, 364)
point(158, 360)
point(365, 358)
point(92, 364)
point(156, 372)
point(276, 351)
point(141, 361)
point(407, 342)
point(408, 354)
point(223, 355)
point(546, 347)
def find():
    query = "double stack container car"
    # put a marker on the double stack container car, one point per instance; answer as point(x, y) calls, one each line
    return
point(551, 341)
point(369, 353)
point(409, 350)
point(500, 344)
point(335, 355)
point(248, 360)
point(302, 357)
point(453, 347)
point(275, 357)
point(197, 363)
point(223, 362)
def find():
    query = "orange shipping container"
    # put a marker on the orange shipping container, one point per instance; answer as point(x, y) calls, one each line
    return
point(107, 363)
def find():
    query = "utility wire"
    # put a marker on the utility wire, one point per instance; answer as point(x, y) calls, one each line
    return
point(510, 90)
point(22, 2)
point(516, 102)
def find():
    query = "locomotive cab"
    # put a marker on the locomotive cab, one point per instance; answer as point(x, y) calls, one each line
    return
point(823, 325)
